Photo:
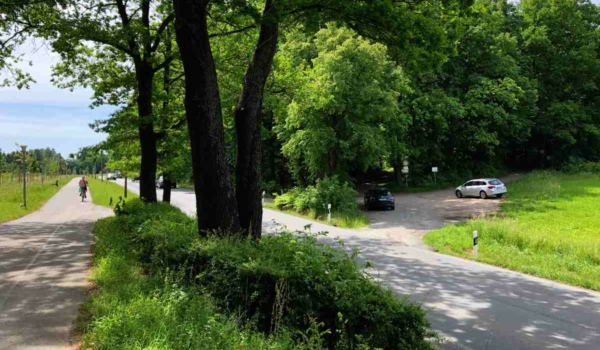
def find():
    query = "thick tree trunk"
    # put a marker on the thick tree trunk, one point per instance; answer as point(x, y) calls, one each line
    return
point(215, 193)
point(248, 114)
point(145, 76)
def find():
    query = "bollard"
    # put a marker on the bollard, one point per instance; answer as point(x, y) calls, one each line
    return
point(475, 242)
point(263, 198)
point(329, 214)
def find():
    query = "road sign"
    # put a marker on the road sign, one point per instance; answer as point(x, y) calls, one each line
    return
point(434, 169)
point(405, 163)
point(405, 170)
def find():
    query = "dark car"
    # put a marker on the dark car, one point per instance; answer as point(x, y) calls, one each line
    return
point(379, 198)
point(160, 183)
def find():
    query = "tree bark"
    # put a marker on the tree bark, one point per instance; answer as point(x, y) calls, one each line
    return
point(215, 193)
point(145, 76)
point(248, 115)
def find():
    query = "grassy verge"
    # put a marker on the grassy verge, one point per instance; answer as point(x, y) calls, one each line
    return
point(11, 196)
point(358, 220)
point(549, 226)
point(161, 285)
point(107, 193)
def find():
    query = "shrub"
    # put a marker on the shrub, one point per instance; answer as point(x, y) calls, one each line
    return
point(281, 285)
point(579, 167)
point(313, 201)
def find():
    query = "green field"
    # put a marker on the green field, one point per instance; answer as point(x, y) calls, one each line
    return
point(103, 191)
point(549, 226)
point(11, 196)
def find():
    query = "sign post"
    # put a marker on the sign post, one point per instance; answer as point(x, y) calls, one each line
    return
point(24, 150)
point(475, 243)
point(263, 198)
point(434, 170)
point(329, 213)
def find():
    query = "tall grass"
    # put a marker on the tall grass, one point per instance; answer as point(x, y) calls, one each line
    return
point(549, 226)
point(11, 194)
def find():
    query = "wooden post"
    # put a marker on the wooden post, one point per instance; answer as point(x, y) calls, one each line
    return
point(125, 186)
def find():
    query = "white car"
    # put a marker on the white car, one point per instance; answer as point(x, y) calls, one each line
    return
point(482, 188)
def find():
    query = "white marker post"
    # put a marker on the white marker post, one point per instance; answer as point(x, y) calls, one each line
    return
point(329, 214)
point(263, 198)
point(434, 170)
point(475, 242)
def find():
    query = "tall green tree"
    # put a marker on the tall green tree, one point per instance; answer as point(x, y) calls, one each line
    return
point(561, 43)
point(126, 52)
point(348, 97)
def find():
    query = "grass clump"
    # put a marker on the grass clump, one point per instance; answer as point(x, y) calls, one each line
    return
point(156, 273)
point(106, 193)
point(11, 196)
point(549, 226)
point(311, 202)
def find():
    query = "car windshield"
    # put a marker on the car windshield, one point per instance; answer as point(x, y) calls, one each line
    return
point(382, 193)
point(495, 182)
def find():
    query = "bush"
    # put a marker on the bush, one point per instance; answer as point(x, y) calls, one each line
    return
point(582, 167)
point(305, 294)
point(313, 201)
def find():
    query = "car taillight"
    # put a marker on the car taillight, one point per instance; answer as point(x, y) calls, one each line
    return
point(491, 187)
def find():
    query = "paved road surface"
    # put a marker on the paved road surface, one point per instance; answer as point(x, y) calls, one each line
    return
point(475, 306)
point(44, 258)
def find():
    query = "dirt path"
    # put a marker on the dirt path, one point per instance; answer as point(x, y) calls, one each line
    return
point(418, 213)
point(44, 258)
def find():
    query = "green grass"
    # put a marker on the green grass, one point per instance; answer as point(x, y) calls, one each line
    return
point(549, 226)
point(103, 191)
point(343, 220)
point(11, 196)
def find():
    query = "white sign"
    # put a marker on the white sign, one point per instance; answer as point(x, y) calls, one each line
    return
point(328, 206)
point(405, 170)
point(405, 163)
point(434, 169)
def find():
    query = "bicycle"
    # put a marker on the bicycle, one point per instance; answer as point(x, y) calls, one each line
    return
point(83, 194)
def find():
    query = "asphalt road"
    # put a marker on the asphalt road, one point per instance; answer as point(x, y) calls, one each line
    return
point(474, 306)
point(44, 260)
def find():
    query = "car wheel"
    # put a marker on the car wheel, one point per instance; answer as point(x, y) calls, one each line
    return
point(499, 195)
point(483, 195)
point(459, 194)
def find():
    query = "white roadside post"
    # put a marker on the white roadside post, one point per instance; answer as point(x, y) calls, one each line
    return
point(475, 242)
point(263, 198)
point(434, 170)
point(329, 213)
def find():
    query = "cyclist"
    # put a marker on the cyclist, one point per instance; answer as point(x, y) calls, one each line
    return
point(83, 185)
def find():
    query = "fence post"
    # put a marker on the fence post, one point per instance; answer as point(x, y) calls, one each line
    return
point(475, 244)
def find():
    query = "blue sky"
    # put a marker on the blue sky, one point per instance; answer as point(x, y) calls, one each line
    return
point(46, 116)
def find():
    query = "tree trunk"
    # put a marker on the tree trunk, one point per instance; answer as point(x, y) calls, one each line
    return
point(145, 76)
point(167, 189)
point(125, 194)
point(397, 174)
point(248, 115)
point(215, 193)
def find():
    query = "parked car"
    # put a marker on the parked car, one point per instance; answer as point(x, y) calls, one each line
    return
point(160, 183)
point(482, 188)
point(111, 176)
point(379, 198)
point(119, 176)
